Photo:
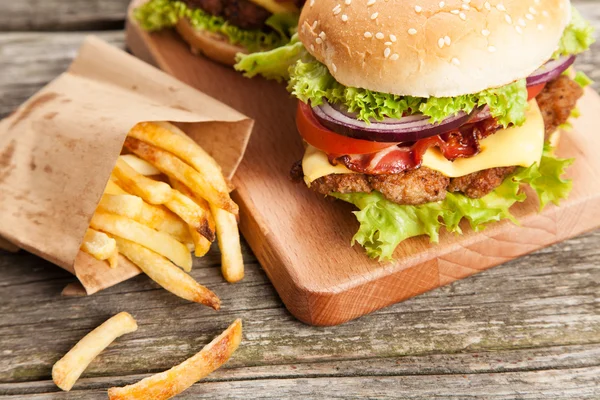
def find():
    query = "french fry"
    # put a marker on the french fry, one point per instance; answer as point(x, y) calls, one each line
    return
point(141, 166)
point(159, 242)
point(228, 235)
point(168, 384)
point(173, 167)
point(100, 246)
point(167, 136)
point(157, 217)
point(122, 204)
point(152, 191)
point(113, 188)
point(192, 214)
point(167, 275)
point(201, 210)
point(201, 244)
point(68, 369)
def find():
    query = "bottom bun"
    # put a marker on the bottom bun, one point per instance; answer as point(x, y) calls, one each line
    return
point(212, 45)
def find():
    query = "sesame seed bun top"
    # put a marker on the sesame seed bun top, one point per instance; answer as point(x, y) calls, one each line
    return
point(432, 48)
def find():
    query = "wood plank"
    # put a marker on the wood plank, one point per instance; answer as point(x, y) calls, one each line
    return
point(28, 61)
point(57, 15)
point(320, 278)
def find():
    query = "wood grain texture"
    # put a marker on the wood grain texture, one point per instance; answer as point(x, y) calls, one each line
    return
point(61, 15)
point(320, 278)
point(529, 329)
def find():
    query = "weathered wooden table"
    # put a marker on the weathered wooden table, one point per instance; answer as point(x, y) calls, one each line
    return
point(529, 329)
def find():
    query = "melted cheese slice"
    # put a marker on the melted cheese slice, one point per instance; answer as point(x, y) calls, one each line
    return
point(518, 145)
point(276, 7)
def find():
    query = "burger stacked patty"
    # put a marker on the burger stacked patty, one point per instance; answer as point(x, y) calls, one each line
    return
point(241, 13)
point(424, 185)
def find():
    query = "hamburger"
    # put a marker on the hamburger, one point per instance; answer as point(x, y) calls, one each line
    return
point(423, 113)
point(220, 29)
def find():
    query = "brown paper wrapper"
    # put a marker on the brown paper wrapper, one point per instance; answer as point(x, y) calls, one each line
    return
point(58, 149)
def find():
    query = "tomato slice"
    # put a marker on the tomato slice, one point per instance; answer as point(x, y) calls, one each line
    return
point(533, 91)
point(328, 141)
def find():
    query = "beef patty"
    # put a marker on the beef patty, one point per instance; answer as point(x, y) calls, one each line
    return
point(241, 13)
point(424, 185)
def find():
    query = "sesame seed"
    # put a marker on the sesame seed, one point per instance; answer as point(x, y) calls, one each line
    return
point(455, 12)
point(333, 67)
point(314, 25)
point(337, 11)
point(466, 7)
point(532, 10)
point(485, 32)
point(492, 49)
point(368, 35)
point(322, 35)
point(312, 47)
point(441, 43)
point(500, 7)
point(393, 38)
point(463, 16)
point(337, 7)
point(541, 27)
point(379, 35)
point(508, 19)
point(455, 61)
point(318, 40)
point(442, 4)
point(487, 5)
point(522, 22)
point(447, 40)
point(312, 3)
point(344, 17)
point(371, 2)
point(374, 15)
point(545, 13)
point(387, 52)
point(412, 31)
point(394, 57)
point(519, 29)
point(388, 43)
point(529, 16)
point(348, 2)
point(418, 9)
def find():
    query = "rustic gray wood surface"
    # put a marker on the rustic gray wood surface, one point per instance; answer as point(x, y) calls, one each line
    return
point(529, 329)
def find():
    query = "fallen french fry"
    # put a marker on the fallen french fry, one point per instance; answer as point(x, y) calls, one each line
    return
point(168, 384)
point(141, 166)
point(152, 191)
point(159, 242)
point(122, 204)
point(228, 235)
point(168, 137)
point(175, 168)
point(99, 245)
point(68, 369)
point(167, 275)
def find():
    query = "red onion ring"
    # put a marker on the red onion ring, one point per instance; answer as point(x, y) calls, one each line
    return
point(551, 70)
point(405, 129)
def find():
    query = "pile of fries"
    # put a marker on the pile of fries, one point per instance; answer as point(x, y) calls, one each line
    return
point(166, 198)
point(161, 386)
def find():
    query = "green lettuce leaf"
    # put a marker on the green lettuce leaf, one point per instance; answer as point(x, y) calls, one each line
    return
point(273, 64)
point(384, 225)
point(582, 79)
point(161, 14)
point(577, 37)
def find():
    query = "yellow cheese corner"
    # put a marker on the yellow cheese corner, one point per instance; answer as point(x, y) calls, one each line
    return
point(518, 145)
point(276, 7)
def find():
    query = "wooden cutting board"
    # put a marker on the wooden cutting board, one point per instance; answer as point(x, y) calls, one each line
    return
point(303, 240)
